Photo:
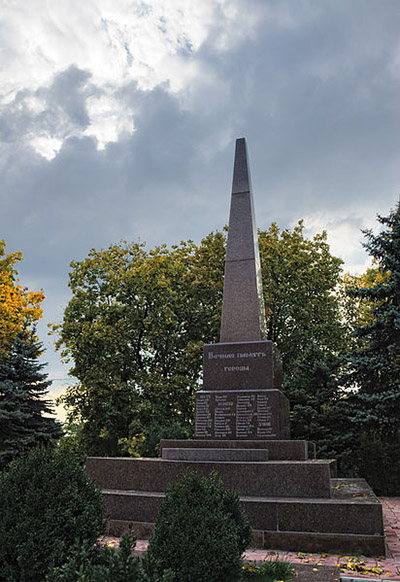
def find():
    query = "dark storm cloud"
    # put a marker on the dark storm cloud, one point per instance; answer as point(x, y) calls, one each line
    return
point(319, 104)
point(59, 108)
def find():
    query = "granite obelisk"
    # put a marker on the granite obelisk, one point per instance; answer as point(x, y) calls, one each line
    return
point(241, 397)
point(243, 311)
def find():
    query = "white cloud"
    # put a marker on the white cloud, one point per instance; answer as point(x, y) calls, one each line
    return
point(46, 145)
point(109, 119)
point(149, 43)
point(345, 238)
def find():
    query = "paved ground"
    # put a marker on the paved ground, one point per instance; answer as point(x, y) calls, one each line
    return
point(353, 568)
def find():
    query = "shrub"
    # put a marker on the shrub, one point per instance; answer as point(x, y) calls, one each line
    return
point(47, 503)
point(267, 571)
point(201, 531)
point(96, 563)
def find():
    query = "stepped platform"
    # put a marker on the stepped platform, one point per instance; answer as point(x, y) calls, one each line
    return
point(291, 504)
point(283, 450)
point(305, 479)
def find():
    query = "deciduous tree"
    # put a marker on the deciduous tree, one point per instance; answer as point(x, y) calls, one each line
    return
point(18, 305)
point(134, 329)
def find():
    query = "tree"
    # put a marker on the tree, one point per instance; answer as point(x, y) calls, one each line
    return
point(135, 328)
point(374, 367)
point(358, 310)
point(300, 280)
point(24, 413)
point(18, 306)
point(137, 321)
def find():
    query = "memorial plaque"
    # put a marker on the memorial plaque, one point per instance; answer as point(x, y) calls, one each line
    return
point(241, 366)
point(241, 414)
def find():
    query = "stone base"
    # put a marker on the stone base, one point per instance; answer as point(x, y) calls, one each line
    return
point(218, 454)
point(283, 450)
point(305, 479)
point(348, 523)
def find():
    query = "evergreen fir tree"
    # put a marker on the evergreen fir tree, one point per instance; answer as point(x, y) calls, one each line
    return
point(24, 413)
point(375, 366)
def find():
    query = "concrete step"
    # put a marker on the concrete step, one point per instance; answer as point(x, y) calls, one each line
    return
point(218, 454)
point(348, 514)
point(351, 522)
point(305, 479)
point(277, 450)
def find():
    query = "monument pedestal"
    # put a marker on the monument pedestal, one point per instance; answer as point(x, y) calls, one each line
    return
point(240, 398)
point(292, 504)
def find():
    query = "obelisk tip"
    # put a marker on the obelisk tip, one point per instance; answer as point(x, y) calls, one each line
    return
point(241, 175)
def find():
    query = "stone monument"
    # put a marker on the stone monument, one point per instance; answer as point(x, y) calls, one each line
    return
point(293, 501)
point(241, 396)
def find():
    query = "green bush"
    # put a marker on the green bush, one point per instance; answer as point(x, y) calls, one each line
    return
point(201, 531)
point(47, 504)
point(267, 571)
point(96, 563)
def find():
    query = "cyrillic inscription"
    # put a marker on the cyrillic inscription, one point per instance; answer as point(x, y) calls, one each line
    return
point(235, 415)
point(214, 356)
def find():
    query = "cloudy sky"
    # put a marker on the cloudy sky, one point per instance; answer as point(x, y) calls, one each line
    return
point(118, 120)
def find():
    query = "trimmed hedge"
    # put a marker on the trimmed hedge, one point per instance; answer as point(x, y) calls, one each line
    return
point(201, 531)
point(48, 504)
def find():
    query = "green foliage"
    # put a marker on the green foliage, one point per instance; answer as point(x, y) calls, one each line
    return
point(97, 563)
point(47, 503)
point(24, 413)
point(71, 442)
point(135, 328)
point(315, 388)
point(270, 571)
point(201, 531)
point(374, 367)
point(300, 277)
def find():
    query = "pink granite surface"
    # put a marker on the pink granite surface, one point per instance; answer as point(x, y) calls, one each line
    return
point(352, 567)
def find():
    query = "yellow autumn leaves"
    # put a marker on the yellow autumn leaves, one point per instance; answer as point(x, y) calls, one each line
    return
point(18, 305)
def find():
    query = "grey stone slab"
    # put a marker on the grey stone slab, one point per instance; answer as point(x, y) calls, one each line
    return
point(343, 525)
point(282, 450)
point(218, 454)
point(348, 515)
point(243, 310)
point(334, 517)
point(306, 479)
point(241, 414)
point(241, 366)
point(132, 505)
point(241, 174)
point(330, 543)
point(242, 235)
point(357, 490)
